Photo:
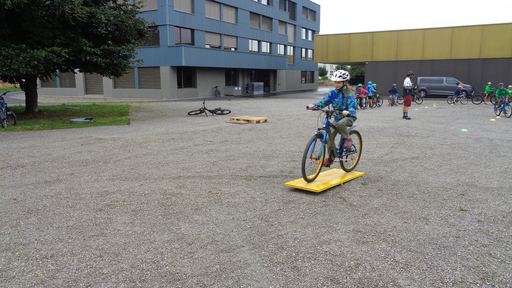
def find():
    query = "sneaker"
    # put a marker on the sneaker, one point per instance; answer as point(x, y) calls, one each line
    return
point(327, 162)
point(347, 143)
point(486, 103)
point(406, 118)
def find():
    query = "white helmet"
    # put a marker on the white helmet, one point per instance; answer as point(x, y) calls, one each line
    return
point(340, 75)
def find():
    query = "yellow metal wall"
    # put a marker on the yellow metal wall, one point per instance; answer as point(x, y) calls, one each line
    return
point(467, 42)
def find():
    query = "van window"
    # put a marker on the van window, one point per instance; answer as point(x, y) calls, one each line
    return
point(431, 80)
point(451, 81)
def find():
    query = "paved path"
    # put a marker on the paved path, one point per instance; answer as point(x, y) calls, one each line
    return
point(179, 201)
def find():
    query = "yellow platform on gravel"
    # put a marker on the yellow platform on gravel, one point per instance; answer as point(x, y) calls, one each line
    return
point(325, 180)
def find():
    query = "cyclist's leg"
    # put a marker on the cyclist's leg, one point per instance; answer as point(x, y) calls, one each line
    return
point(343, 125)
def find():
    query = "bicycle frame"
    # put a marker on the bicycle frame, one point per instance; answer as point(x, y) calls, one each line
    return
point(326, 136)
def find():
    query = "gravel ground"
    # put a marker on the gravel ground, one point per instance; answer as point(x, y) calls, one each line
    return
point(191, 201)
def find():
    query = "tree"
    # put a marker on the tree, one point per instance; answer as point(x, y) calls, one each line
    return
point(40, 38)
point(342, 67)
point(322, 71)
point(356, 71)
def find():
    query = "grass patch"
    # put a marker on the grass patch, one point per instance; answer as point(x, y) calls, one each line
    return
point(58, 116)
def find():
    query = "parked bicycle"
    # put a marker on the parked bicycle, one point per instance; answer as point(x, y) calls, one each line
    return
point(479, 98)
point(216, 111)
point(461, 98)
point(504, 107)
point(315, 152)
point(216, 91)
point(6, 113)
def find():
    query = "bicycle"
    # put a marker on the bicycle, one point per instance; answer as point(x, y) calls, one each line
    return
point(461, 98)
point(216, 111)
point(416, 97)
point(479, 98)
point(6, 112)
point(377, 100)
point(504, 107)
point(216, 91)
point(314, 154)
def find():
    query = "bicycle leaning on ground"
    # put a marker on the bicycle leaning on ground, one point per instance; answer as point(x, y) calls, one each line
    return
point(216, 91)
point(216, 111)
point(314, 154)
point(504, 107)
point(6, 113)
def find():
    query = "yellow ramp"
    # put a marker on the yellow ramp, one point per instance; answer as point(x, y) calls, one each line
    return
point(325, 180)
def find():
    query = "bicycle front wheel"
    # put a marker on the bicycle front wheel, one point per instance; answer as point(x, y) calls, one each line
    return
point(507, 110)
point(350, 157)
point(497, 110)
point(11, 115)
point(477, 99)
point(463, 100)
point(449, 99)
point(400, 100)
point(313, 158)
point(419, 99)
point(493, 99)
point(196, 112)
point(222, 112)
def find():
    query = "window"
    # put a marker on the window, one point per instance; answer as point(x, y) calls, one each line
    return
point(307, 77)
point(212, 40)
point(292, 9)
point(282, 5)
point(184, 6)
point(265, 47)
point(280, 49)
point(253, 46)
point(212, 9)
point(154, 39)
point(303, 53)
point(183, 36)
point(230, 43)
point(149, 5)
point(290, 55)
point(265, 2)
point(310, 35)
point(308, 14)
point(149, 77)
point(186, 77)
point(282, 28)
point(303, 33)
point(291, 33)
point(266, 23)
point(310, 54)
point(255, 21)
point(229, 13)
point(127, 81)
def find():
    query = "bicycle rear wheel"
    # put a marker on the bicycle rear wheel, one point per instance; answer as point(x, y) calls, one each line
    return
point(196, 112)
point(222, 112)
point(350, 157)
point(497, 110)
point(11, 115)
point(477, 99)
point(379, 101)
point(3, 120)
point(463, 100)
point(449, 99)
point(313, 158)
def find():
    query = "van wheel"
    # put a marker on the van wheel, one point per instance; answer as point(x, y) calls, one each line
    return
point(423, 93)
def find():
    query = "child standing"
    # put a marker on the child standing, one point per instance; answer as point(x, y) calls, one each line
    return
point(341, 98)
point(360, 95)
point(371, 91)
point(392, 95)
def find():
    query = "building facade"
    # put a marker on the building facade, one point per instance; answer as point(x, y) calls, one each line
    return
point(199, 44)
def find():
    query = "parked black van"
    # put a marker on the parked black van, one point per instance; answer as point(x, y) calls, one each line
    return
point(441, 86)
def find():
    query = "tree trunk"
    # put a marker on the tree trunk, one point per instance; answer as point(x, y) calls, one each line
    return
point(31, 95)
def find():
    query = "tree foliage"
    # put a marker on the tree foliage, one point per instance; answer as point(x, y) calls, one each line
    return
point(356, 71)
point(40, 37)
point(322, 71)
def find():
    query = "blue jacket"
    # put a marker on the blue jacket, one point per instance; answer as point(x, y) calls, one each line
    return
point(371, 90)
point(457, 92)
point(392, 91)
point(337, 99)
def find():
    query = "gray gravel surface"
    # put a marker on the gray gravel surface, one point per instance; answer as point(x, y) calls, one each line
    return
point(192, 201)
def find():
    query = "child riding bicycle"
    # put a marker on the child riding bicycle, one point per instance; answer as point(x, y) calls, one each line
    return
point(392, 95)
point(501, 93)
point(360, 95)
point(342, 98)
point(488, 90)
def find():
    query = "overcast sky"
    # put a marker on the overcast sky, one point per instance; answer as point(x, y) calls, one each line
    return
point(337, 16)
